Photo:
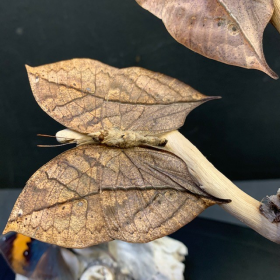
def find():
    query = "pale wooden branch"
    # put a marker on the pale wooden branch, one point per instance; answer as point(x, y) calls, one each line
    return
point(243, 207)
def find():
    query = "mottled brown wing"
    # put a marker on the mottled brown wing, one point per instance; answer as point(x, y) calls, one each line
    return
point(89, 195)
point(230, 31)
point(87, 96)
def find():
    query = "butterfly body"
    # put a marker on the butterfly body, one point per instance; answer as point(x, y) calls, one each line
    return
point(112, 137)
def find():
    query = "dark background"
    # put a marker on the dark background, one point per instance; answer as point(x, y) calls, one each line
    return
point(239, 134)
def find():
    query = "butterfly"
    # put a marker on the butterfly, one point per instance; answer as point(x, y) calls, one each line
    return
point(118, 183)
point(34, 259)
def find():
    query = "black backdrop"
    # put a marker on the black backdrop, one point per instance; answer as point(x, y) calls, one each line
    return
point(239, 134)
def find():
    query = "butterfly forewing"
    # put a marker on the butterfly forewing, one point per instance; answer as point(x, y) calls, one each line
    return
point(93, 194)
point(87, 96)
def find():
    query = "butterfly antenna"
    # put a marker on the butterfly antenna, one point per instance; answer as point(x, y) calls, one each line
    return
point(46, 135)
point(53, 146)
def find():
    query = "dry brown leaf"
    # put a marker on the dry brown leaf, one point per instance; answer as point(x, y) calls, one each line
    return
point(230, 31)
point(92, 194)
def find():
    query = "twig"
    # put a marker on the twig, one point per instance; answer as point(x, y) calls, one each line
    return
point(243, 207)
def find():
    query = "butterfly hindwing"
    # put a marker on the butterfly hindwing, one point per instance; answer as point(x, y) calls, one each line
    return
point(34, 259)
point(21, 252)
point(93, 194)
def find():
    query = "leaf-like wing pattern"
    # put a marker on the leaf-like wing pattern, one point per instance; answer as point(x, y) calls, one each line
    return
point(87, 96)
point(93, 194)
point(230, 31)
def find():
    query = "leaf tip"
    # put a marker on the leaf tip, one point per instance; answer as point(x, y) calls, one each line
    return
point(271, 73)
point(266, 69)
point(218, 200)
point(209, 98)
point(214, 97)
point(224, 201)
point(275, 76)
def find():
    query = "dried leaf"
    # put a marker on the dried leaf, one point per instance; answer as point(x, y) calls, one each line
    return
point(275, 20)
point(225, 30)
point(87, 96)
point(92, 194)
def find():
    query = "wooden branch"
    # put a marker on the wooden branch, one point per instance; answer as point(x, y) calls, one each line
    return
point(243, 207)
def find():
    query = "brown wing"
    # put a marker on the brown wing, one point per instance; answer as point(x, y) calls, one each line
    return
point(89, 195)
point(230, 31)
point(87, 96)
